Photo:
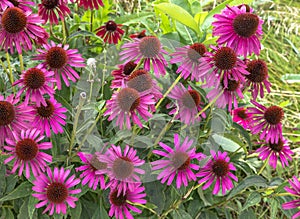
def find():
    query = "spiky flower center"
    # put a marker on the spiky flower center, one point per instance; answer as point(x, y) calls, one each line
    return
point(57, 192)
point(122, 167)
point(111, 26)
point(247, 7)
point(245, 25)
point(128, 99)
point(7, 113)
point(26, 149)
point(242, 114)
point(232, 85)
point(273, 115)
point(140, 80)
point(225, 58)
point(34, 78)
point(258, 71)
point(13, 20)
point(190, 99)
point(277, 147)
point(181, 161)
point(56, 57)
point(150, 46)
point(220, 167)
point(50, 4)
point(117, 200)
point(196, 51)
point(96, 164)
point(128, 68)
point(46, 111)
point(141, 34)
point(14, 2)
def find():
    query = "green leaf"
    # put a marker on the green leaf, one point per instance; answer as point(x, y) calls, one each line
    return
point(225, 143)
point(247, 214)
point(32, 201)
point(21, 191)
point(23, 213)
point(179, 14)
point(274, 208)
point(7, 214)
point(291, 78)
point(179, 214)
point(76, 212)
point(253, 199)
point(133, 18)
point(100, 213)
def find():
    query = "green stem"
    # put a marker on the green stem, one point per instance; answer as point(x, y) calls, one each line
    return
point(65, 31)
point(264, 165)
point(103, 71)
point(92, 18)
point(21, 62)
point(11, 77)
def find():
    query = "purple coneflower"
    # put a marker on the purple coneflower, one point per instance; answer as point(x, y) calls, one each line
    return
point(61, 59)
point(22, 4)
point(241, 116)
point(279, 150)
point(178, 162)
point(266, 120)
point(122, 168)
point(25, 149)
point(110, 32)
point(189, 59)
point(49, 117)
point(295, 191)
point(188, 104)
point(239, 29)
point(128, 103)
point(4, 4)
point(54, 190)
point(91, 165)
point(36, 82)
point(121, 74)
point(217, 169)
point(50, 10)
point(19, 29)
point(149, 49)
point(90, 4)
point(121, 204)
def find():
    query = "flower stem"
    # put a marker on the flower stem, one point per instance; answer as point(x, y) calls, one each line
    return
point(21, 62)
point(264, 165)
point(92, 18)
point(10, 75)
point(104, 71)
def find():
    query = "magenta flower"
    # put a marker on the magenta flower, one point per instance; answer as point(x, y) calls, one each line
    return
point(178, 162)
point(239, 29)
point(148, 49)
point(279, 150)
point(126, 104)
point(217, 169)
point(49, 117)
point(36, 82)
point(50, 10)
point(267, 121)
point(295, 191)
point(241, 116)
point(25, 149)
point(120, 205)
point(189, 59)
point(89, 4)
point(13, 117)
point(121, 74)
point(20, 29)
point(61, 59)
point(91, 165)
point(4, 4)
point(54, 190)
point(258, 78)
point(122, 168)
point(22, 4)
point(110, 32)
point(187, 104)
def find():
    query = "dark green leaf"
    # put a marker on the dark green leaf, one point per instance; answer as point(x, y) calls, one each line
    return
point(76, 212)
point(225, 143)
point(32, 201)
point(253, 199)
point(21, 191)
point(132, 18)
point(23, 213)
point(247, 214)
point(274, 208)
point(179, 214)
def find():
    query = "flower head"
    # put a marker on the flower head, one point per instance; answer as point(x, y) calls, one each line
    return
point(295, 191)
point(51, 9)
point(61, 59)
point(178, 162)
point(54, 190)
point(239, 29)
point(138, 35)
point(110, 32)
point(22, 4)
point(121, 74)
point(217, 169)
point(25, 149)
point(149, 49)
point(90, 4)
point(241, 116)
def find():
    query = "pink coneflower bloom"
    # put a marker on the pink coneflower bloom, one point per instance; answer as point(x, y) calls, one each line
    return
point(25, 149)
point(50, 10)
point(61, 59)
point(36, 82)
point(120, 205)
point(54, 190)
point(188, 104)
point(241, 116)
point(110, 32)
point(258, 78)
point(128, 103)
point(178, 162)
point(49, 117)
point(4, 4)
point(22, 4)
point(295, 191)
point(188, 57)
point(150, 50)
point(279, 150)
point(239, 29)
point(218, 169)
point(121, 74)
point(122, 168)
point(90, 4)
point(266, 120)
point(138, 35)
point(91, 165)
point(222, 65)
point(13, 117)
point(20, 29)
